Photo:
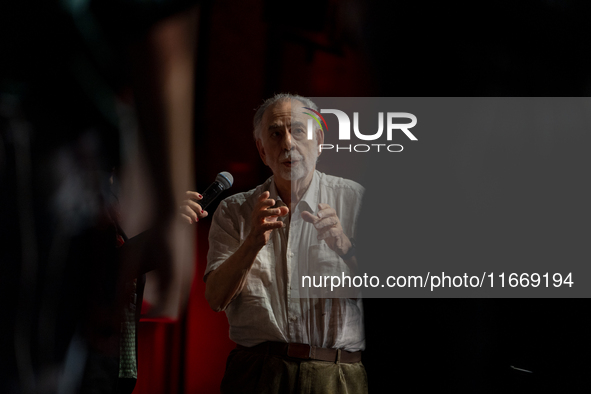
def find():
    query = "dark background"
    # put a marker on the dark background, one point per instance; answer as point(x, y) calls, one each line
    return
point(248, 50)
point(409, 49)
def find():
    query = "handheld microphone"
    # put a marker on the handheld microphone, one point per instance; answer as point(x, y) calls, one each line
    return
point(223, 181)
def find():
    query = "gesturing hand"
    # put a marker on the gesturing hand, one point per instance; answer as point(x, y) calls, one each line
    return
point(329, 228)
point(190, 210)
point(264, 220)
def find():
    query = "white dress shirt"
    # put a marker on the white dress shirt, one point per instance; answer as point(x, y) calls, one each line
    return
point(272, 305)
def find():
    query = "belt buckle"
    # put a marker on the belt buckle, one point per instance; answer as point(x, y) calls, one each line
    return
point(299, 350)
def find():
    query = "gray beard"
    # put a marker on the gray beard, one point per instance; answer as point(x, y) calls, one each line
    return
point(294, 173)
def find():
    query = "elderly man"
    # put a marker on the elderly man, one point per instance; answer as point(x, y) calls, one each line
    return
point(298, 221)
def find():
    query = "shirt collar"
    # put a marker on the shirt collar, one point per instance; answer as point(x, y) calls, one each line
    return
point(273, 193)
point(309, 201)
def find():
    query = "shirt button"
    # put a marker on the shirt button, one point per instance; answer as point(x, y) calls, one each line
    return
point(292, 254)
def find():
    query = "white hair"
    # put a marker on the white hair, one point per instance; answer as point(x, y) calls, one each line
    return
point(281, 97)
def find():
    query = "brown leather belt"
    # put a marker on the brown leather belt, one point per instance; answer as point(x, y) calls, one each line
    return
point(304, 352)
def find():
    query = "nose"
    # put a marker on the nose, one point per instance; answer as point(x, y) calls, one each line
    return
point(287, 141)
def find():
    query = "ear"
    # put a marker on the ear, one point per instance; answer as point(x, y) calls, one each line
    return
point(261, 150)
point(319, 139)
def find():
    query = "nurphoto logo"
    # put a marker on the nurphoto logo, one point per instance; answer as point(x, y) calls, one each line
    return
point(345, 130)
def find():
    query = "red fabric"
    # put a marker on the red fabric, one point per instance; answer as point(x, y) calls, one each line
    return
point(158, 362)
point(206, 344)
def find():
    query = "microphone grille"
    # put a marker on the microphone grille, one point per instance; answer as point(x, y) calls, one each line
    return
point(226, 179)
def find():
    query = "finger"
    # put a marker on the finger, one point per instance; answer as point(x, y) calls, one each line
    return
point(194, 206)
point(330, 221)
point(308, 217)
point(325, 211)
point(270, 212)
point(194, 195)
point(279, 203)
point(271, 225)
point(264, 196)
point(332, 232)
point(186, 210)
point(186, 219)
point(264, 204)
point(264, 201)
point(322, 233)
point(199, 211)
point(284, 211)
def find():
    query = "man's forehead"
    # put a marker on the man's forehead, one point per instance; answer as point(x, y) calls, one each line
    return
point(280, 124)
point(283, 112)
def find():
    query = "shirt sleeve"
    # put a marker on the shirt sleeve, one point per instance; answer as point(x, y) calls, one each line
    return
point(224, 235)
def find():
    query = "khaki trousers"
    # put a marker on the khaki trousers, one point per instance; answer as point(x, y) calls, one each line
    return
point(250, 372)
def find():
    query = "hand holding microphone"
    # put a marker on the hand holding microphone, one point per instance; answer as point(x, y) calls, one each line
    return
point(193, 208)
point(191, 211)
